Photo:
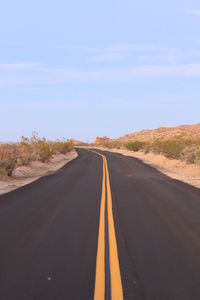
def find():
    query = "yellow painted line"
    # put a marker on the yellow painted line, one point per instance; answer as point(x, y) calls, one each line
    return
point(116, 283)
point(99, 293)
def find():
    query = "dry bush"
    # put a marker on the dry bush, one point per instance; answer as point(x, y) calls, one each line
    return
point(169, 148)
point(191, 154)
point(113, 144)
point(60, 146)
point(186, 150)
point(9, 157)
point(135, 146)
point(20, 154)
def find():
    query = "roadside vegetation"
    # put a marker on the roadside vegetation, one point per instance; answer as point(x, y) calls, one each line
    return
point(187, 150)
point(13, 155)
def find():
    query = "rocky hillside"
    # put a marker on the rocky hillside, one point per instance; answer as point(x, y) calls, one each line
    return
point(164, 133)
point(182, 142)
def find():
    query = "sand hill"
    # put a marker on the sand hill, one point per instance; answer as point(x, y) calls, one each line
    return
point(164, 133)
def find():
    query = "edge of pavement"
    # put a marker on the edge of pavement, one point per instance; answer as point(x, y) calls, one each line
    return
point(28, 174)
point(173, 168)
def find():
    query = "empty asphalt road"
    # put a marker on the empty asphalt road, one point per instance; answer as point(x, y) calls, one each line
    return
point(105, 226)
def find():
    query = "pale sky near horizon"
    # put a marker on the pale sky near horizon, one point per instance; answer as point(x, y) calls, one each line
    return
point(86, 68)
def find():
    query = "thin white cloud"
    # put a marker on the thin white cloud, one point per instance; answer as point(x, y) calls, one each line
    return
point(161, 59)
point(58, 76)
point(21, 66)
point(113, 53)
point(195, 12)
point(173, 71)
point(97, 54)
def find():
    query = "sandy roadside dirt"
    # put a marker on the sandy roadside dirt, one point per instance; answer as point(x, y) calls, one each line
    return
point(174, 168)
point(27, 174)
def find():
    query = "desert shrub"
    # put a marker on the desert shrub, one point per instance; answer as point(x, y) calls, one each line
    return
point(42, 151)
point(135, 146)
point(191, 154)
point(9, 154)
point(176, 148)
point(3, 172)
point(113, 144)
point(12, 156)
point(169, 148)
point(116, 144)
point(147, 147)
point(20, 154)
point(61, 146)
point(186, 150)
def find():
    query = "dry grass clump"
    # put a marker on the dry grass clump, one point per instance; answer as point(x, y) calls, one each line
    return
point(185, 150)
point(169, 148)
point(191, 154)
point(33, 149)
point(135, 146)
point(115, 144)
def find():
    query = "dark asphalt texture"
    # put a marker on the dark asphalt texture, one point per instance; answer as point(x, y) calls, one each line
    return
point(49, 233)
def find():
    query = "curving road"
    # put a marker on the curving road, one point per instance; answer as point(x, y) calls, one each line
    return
point(102, 227)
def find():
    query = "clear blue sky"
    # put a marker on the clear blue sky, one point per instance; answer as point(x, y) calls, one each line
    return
point(86, 68)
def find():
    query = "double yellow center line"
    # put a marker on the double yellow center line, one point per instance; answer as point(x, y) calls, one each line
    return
point(115, 276)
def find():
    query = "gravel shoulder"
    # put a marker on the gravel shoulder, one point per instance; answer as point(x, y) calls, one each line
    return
point(27, 174)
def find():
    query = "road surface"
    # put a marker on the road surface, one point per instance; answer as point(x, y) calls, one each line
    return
point(105, 226)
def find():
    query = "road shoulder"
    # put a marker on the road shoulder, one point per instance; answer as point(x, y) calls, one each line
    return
point(27, 174)
point(173, 168)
